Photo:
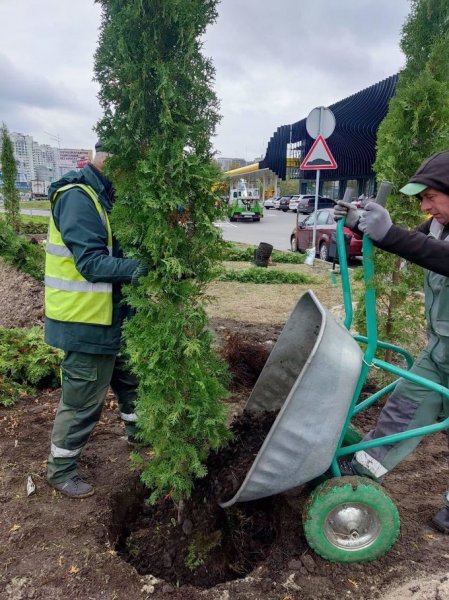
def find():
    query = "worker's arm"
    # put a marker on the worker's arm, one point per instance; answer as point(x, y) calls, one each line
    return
point(86, 237)
point(418, 247)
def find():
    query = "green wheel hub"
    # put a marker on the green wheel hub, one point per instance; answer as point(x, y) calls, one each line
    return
point(350, 519)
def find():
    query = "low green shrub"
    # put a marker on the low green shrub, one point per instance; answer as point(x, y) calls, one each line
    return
point(34, 227)
point(26, 362)
point(277, 256)
point(262, 275)
point(20, 252)
point(236, 254)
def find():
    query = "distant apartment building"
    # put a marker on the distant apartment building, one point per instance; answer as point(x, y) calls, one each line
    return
point(43, 162)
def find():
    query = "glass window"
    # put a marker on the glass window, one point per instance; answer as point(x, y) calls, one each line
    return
point(322, 217)
point(310, 220)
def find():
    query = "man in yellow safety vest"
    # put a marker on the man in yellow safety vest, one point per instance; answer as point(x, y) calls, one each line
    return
point(84, 271)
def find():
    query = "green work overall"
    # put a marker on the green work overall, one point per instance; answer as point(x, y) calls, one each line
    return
point(85, 382)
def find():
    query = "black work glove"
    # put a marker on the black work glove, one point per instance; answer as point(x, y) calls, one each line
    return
point(139, 272)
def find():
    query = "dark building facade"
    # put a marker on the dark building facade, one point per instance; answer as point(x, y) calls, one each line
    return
point(353, 142)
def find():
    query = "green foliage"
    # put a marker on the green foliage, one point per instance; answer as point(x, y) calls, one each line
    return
point(277, 256)
point(26, 360)
point(289, 187)
point(10, 194)
point(416, 126)
point(20, 252)
point(427, 22)
point(263, 275)
point(235, 253)
point(159, 114)
point(200, 549)
point(35, 227)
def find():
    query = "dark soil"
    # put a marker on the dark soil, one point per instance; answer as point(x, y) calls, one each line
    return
point(228, 468)
point(54, 548)
point(202, 543)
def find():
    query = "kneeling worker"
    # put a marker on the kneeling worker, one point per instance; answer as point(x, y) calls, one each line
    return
point(428, 246)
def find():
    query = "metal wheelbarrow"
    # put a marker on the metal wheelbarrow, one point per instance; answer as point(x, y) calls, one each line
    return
point(345, 519)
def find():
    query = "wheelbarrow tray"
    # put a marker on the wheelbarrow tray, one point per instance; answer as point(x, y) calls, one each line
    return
point(310, 378)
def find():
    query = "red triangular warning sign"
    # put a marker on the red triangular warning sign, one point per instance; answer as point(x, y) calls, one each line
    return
point(319, 157)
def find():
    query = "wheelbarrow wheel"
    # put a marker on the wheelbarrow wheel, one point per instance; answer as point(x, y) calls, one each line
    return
point(350, 519)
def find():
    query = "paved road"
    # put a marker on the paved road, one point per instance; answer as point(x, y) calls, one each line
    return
point(275, 228)
point(34, 212)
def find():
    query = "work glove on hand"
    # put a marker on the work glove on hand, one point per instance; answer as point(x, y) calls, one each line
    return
point(139, 272)
point(348, 210)
point(375, 221)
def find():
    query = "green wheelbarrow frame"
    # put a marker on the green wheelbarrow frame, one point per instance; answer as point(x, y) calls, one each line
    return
point(369, 360)
point(352, 519)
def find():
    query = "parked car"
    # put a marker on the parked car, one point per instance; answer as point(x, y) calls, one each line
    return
point(269, 203)
point(306, 204)
point(276, 202)
point(284, 202)
point(294, 200)
point(326, 226)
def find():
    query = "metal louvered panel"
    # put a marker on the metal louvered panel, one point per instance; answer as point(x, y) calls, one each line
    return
point(353, 141)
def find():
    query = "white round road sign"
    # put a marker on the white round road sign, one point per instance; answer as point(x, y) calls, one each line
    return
point(321, 121)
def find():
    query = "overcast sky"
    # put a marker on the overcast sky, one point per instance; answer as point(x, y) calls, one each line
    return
point(275, 61)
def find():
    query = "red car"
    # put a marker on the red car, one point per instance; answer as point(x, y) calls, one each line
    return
point(302, 234)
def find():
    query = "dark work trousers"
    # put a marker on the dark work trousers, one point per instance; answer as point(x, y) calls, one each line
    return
point(410, 406)
point(85, 382)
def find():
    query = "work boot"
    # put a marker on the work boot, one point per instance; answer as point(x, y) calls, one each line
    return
point(441, 520)
point(74, 487)
point(353, 468)
point(346, 467)
point(133, 442)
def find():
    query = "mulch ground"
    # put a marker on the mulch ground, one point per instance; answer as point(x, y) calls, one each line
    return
point(113, 546)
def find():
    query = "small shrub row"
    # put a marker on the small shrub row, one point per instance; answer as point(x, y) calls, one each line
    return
point(26, 362)
point(234, 253)
point(34, 227)
point(261, 275)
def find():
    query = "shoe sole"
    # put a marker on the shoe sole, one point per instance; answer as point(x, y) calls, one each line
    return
point(80, 497)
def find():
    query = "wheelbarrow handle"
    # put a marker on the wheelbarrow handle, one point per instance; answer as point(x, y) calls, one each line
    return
point(383, 192)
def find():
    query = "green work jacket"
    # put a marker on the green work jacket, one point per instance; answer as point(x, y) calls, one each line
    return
point(84, 233)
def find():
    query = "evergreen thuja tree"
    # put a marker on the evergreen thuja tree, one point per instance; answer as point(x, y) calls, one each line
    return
point(9, 169)
point(417, 125)
point(159, 115)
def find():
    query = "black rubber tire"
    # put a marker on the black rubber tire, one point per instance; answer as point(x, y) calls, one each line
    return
point(350, 519)
point(293, 244)
point(324, 252)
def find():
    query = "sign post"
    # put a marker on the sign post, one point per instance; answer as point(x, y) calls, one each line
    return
point(320, 125)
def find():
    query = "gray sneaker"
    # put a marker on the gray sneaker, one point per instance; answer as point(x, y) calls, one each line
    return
point(74, 487)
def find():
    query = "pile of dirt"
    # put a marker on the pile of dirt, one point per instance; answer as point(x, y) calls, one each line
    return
point(21, 298)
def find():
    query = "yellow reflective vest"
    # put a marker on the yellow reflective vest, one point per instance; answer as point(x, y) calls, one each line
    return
point(68, 295)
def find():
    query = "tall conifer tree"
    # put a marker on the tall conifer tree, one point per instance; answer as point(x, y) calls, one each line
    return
point(159, 115)
point(10, 194)
point(417, 125)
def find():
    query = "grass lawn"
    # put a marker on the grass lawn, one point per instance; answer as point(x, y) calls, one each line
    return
point(273, 303)
point(39, 204)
